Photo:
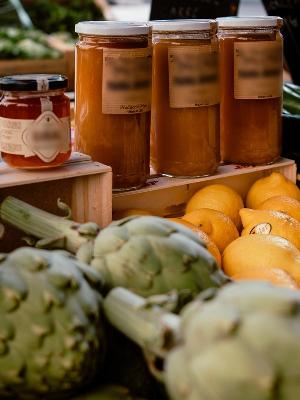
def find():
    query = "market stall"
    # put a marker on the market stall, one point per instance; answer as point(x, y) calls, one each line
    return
point(150, 232)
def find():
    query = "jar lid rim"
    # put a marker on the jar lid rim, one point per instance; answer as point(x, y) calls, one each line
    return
point(174, 25)
point(112, 28)
point(33, 82)
point(251, 21)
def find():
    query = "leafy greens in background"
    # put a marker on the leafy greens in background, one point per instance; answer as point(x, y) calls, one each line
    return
point(61, 15)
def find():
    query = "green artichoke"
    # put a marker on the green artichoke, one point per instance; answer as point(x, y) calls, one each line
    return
point(51, 332)
point(240, 343)
point(149, 255)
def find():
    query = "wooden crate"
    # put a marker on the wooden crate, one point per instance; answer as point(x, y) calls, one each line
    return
point(84, 185)
point(168, 196)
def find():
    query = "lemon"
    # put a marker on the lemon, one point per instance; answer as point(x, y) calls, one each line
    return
point(284, 204)
point(273, 185)
point(218, 197)
point(265, 222)
point(130, 212)
point(261, 251)
point(274, 275)
point(217, 225)
point(210, 245)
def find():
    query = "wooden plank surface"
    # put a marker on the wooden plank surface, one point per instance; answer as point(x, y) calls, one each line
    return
point(78, 165)
point(159, 183)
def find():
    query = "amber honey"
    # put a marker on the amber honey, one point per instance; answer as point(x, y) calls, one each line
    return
point(251, 85)
point(113, 97)
point(185, 98)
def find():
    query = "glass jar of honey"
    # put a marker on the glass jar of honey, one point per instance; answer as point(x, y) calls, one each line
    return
point(113, 98)
point(34, 121)
point(251, 56)
point(185, 98)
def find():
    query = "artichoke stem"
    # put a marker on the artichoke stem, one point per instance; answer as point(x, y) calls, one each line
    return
point(155, 330)
point(41, 224)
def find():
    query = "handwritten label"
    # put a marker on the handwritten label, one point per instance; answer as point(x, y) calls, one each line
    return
point(193, 76)
point(258, 70)
point(126, 81)
point(45, 137)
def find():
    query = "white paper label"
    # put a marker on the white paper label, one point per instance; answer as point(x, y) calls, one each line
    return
point(126, 81)
point(258, 70)
point(45, 137)
point(193, 76)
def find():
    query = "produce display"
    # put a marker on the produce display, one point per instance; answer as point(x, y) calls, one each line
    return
point(148, 254)
point(52, 336)
point(222, 344)
point(273, 213)
point(185, 342)
point(191, 294)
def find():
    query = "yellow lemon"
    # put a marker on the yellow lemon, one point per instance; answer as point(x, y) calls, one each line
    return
point(269, 222)
point(210, 245)
point(129, 213)
point(274, 275)
point(218, 197)
point(217, 225)
point(284, 204)
point(261, 251)
point(273, 185)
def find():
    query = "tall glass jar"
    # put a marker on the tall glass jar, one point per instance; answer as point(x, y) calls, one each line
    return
point(251, 89)
point(113, 98)
point(34, 121)
point(185, 98)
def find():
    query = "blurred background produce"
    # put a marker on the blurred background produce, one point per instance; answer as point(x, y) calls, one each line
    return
point(40, 32)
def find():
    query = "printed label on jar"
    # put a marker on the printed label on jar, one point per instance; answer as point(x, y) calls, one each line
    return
point(126, 81)
point(45, 137)
point(258, 70)
point(193, 76)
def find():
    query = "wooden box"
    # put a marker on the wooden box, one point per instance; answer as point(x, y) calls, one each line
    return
point(84, 185)
point(168, 196)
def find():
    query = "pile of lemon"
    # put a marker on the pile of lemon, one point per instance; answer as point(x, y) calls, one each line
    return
point(260, 242)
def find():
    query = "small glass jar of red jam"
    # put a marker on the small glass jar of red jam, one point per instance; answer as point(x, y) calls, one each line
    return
point(34, 121)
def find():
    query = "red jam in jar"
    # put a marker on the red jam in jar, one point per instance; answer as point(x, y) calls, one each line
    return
point(34, 121)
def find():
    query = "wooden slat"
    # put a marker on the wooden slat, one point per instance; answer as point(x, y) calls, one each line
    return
point(51, 66)
point(158, 183)
point(78, 165)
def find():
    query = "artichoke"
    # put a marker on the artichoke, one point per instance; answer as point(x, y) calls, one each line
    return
point(51, 332)
point(240, 342)
point(149, 255)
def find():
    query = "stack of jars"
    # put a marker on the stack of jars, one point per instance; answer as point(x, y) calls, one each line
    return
point(194, 92)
